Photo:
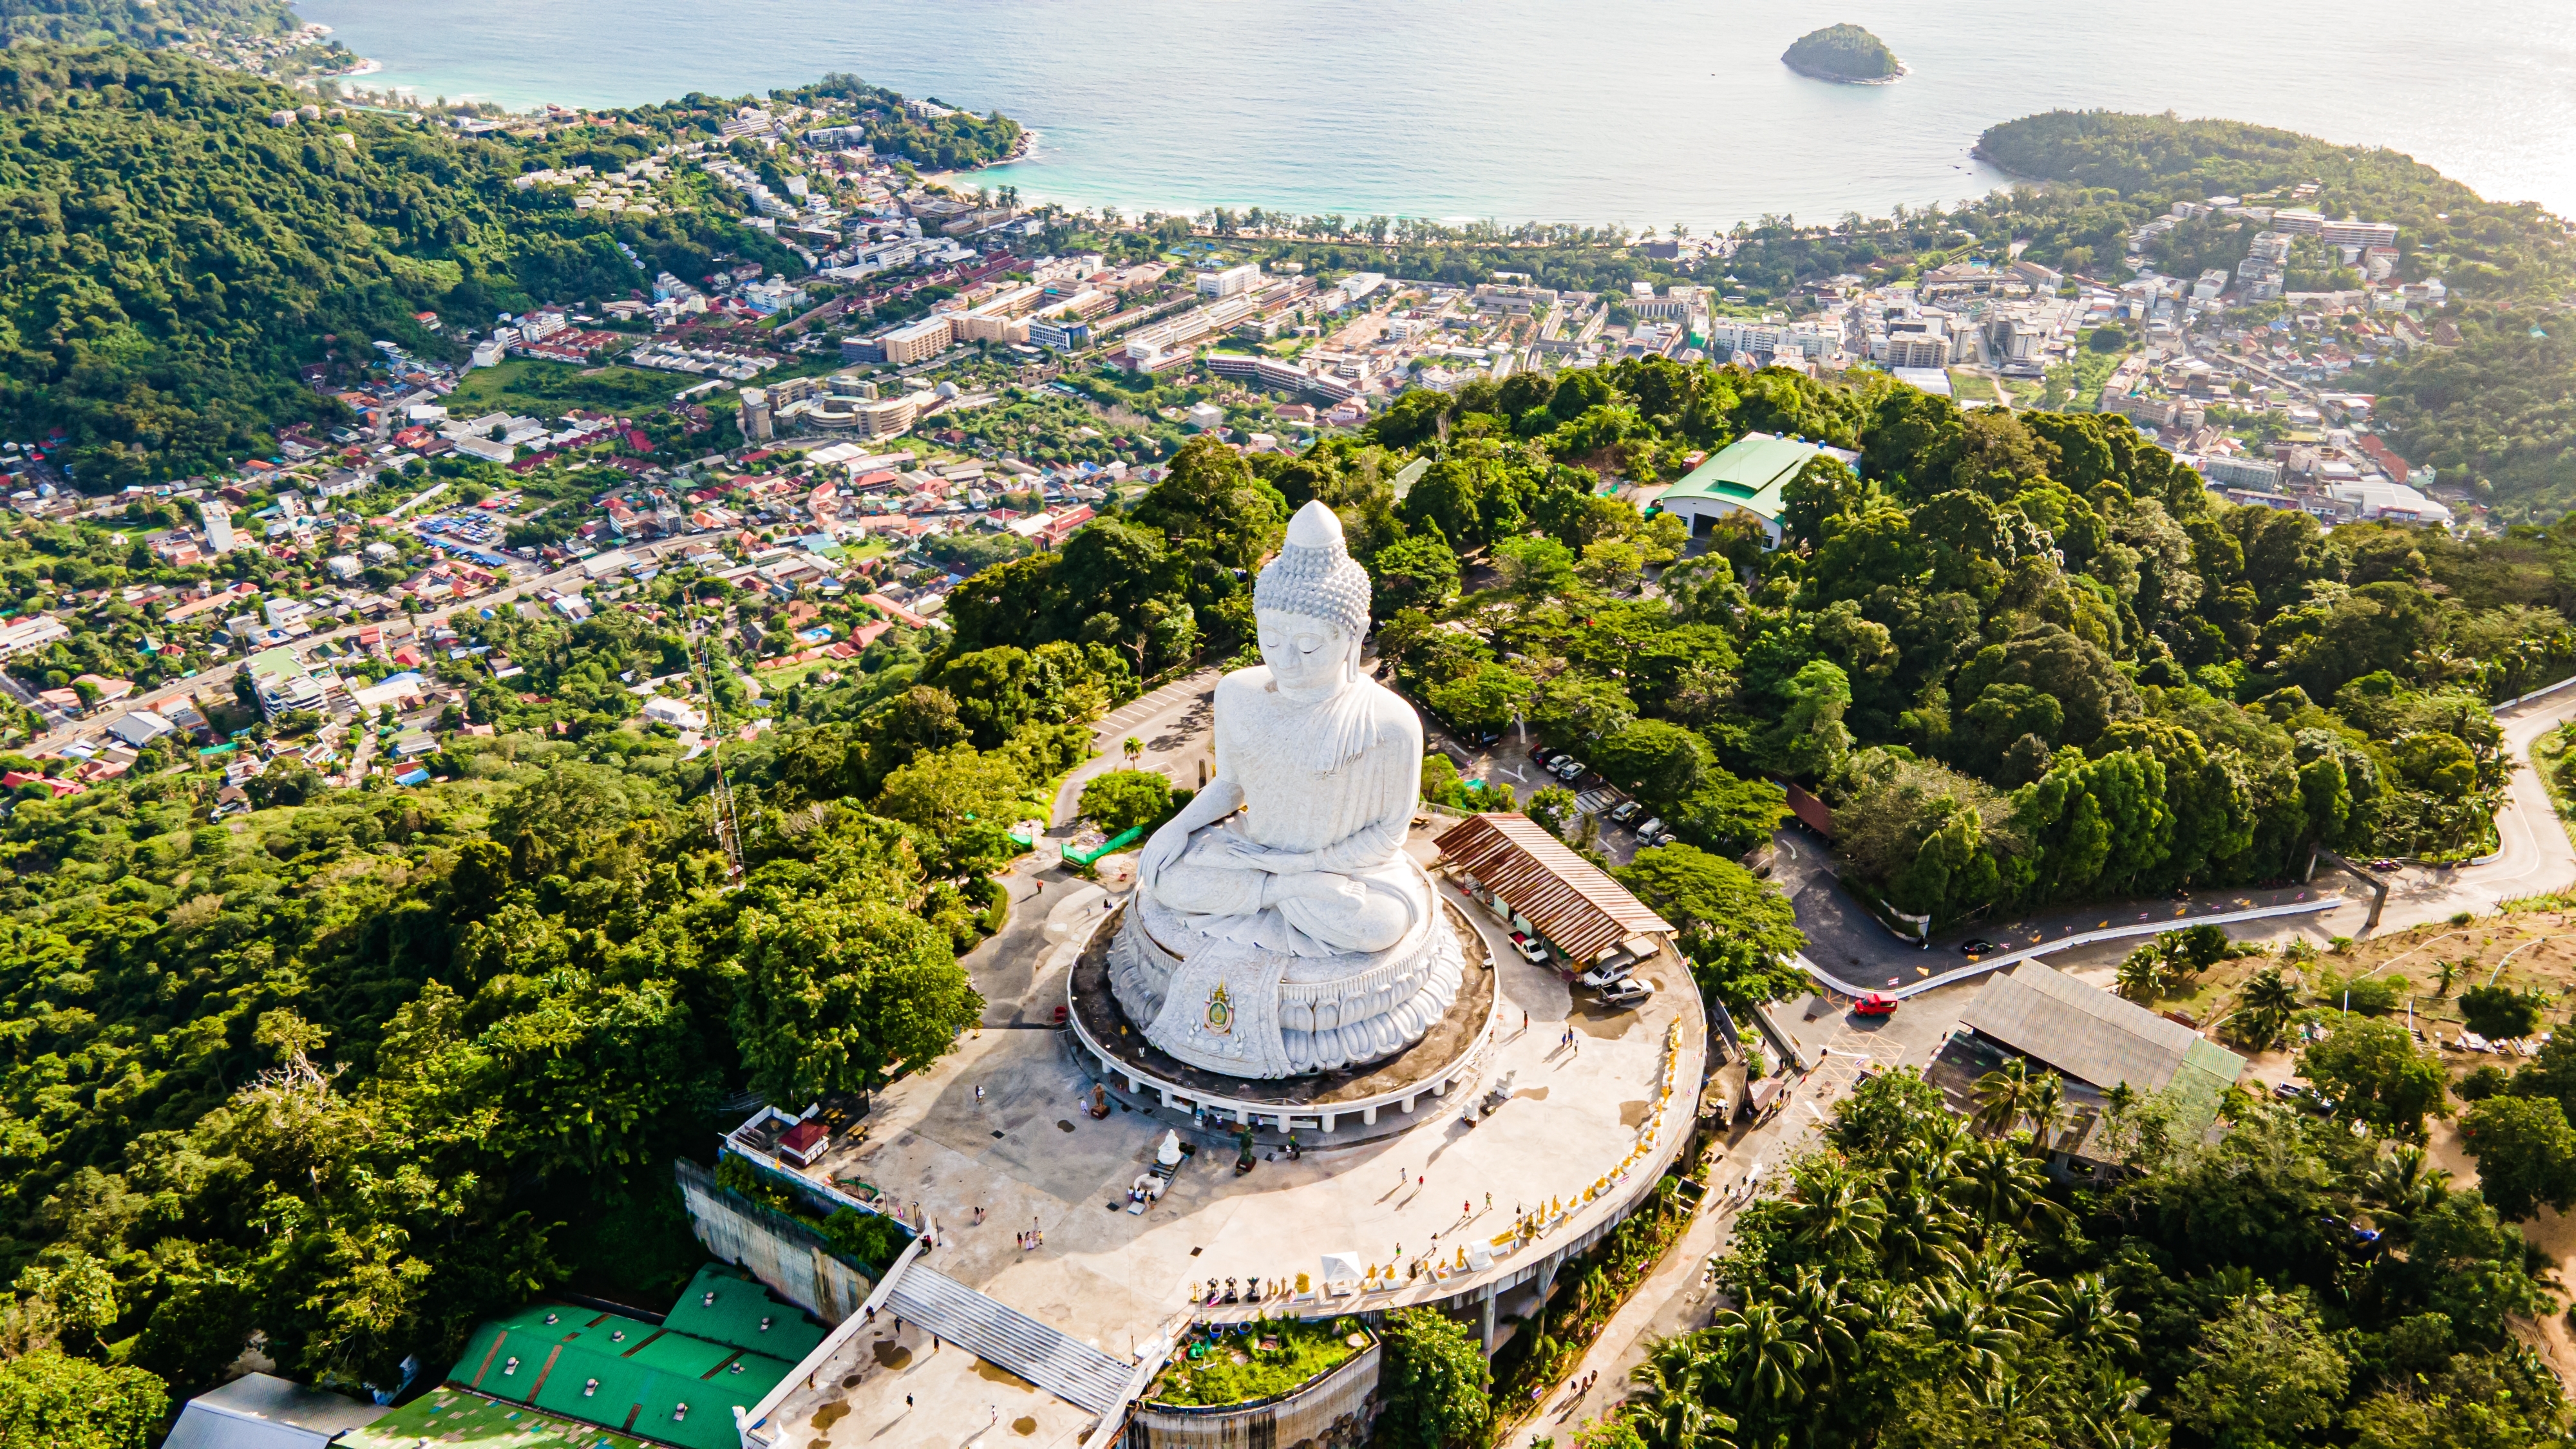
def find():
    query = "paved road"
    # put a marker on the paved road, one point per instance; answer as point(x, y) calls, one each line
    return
point(1173, 724)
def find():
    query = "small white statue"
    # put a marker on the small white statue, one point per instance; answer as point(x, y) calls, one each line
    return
point(1278, 926)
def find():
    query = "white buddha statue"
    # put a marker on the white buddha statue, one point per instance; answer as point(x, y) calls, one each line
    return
point(1280, 901)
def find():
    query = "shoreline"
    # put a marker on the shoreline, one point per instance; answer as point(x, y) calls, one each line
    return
point(1902, 71)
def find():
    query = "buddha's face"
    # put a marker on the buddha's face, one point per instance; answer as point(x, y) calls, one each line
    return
point(1307, 656)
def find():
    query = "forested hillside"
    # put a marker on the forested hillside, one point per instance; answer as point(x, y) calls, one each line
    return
point(2496, 409)
point(136, 22)
point(2026, 655)
point(168, 258)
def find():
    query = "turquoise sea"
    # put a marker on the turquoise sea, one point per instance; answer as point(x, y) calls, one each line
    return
point(1643, 112)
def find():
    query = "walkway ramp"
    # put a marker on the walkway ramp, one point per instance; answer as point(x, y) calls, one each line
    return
point(999, 1334)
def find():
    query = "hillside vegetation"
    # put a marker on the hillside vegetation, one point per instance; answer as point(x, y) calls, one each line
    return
point(2495, 411)
point(168, 258)
point(137, 22)
point(1841, 52)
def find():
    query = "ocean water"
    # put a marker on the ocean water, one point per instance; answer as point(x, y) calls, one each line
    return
point(1641, 112)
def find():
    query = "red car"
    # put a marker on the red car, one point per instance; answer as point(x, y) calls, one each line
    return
point(1874, 1005)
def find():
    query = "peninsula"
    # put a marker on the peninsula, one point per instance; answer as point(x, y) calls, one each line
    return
point(1844, 53)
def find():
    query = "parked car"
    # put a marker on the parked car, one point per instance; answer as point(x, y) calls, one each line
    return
point(1977, 946)
point(1569, 769)
point(1606, 975)
point(1874, 1005)
point(1662, 837)
point(1653, 827)
point(1531, 951)
point(1540, 753)
point(2385, 865)
point(1624, 811)
point(1626, 991)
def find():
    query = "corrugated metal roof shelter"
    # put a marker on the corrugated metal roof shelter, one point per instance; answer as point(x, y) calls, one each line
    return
point(1580, 911)
point(2095, 1037)
point(260, 1411)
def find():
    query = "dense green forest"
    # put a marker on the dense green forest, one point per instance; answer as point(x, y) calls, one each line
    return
point(137, 22)
point(2027, 656)
point(1925, 1285)
point(1841, 52)
point(168, 258)
point(363, 1066)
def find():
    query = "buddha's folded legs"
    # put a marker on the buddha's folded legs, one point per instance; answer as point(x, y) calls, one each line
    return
point(1341, 912)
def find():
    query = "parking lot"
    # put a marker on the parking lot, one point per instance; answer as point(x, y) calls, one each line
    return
point(1508, 762)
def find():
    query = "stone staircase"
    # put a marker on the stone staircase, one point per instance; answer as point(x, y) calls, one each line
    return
point(1066, 1367)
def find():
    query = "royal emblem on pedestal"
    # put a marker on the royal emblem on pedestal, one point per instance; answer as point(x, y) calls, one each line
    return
point(1220, 1012)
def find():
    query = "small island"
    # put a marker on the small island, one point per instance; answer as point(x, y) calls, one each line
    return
point(1844, 53)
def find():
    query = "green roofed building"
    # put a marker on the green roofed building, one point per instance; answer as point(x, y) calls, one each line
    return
point(566, 1373)
point(1746, 476)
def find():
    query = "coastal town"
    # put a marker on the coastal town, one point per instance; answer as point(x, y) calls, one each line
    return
point(794, 802)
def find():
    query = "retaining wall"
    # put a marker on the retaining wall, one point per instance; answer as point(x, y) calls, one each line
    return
point(1330, 1411)
point(794, 1260)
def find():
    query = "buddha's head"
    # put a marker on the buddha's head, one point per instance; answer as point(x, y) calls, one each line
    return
point(1309, 658)
point(1310, 608)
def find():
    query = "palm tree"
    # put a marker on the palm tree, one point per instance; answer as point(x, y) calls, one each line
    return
point(2268, 1001)
point(1964, 1324)
point(2010, 1410)
point(1131, 748)
point(1672, 1411)
point(2401, 1188)
point(1824, 1320)
point(2046, 1110)
point(2444, 973)
point(1763, 1356)
point(2001, 1095)
point(2001, 1185)
point(1834, 1212)
point(1921, 1230)
point(2141, 977)
point(2087, 1315)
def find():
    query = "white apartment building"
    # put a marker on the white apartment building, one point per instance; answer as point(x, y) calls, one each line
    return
point(1229, 281)
point(220, 538)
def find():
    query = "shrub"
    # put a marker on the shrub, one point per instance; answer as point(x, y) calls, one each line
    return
point(2481, 1084)
point(1124, 799)
point(2371, 995)
point(2498, 1011)
point(872, 1238)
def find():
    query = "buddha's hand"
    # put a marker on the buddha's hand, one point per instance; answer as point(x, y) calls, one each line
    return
point(1233, 852)
point(1162, 850)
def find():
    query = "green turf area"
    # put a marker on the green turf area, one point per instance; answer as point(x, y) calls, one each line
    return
point(445, 1416)
point(723, 1306)
point(545, 389)
point(665, 1383)
point(1971, 387)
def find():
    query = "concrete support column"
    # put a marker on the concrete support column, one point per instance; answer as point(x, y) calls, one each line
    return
point(1165, 1093)
point(1243, 1116)
point(1327, 1123)
point(1368, 1115)
point(1408, 1103)
point(1488, 1317)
